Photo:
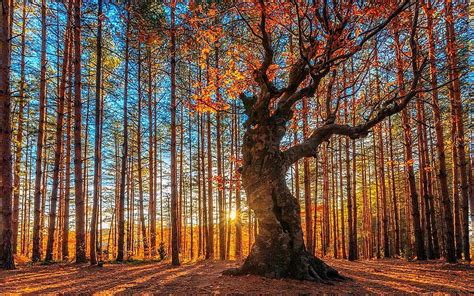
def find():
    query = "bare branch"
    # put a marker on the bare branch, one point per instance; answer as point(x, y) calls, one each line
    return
point(247, 22)
point(329, 128)
point(321, 68)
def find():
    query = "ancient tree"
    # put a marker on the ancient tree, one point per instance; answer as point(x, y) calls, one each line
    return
point(328, 36)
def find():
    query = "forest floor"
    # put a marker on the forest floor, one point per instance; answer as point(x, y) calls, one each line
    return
point(205, 277)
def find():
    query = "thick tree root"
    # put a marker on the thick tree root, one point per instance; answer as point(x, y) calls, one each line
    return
point(302, 267)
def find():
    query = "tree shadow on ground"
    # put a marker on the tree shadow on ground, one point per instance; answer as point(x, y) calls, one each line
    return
point(204, 277)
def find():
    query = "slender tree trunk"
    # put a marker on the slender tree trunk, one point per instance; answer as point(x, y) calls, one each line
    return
point(238, 218)
point(377, 199)
point(350, 208)
point(354, 188)
point(101, 235)
point(325, 215)
point(116, 193)
point(210, 206)
point(341, 194)
point(383, 192)
point(11, 16)
point(139, 158)
point(433, 205)
point(161, 197)
point(174, 197)
point(471, 189)
point(316, 181)
point(394, 193)
point(335, 240)
point(59, 146)
point(191, 214)
point(385, 226)
point(29, 182)
point(297, 170)
point(455, 185)
point(65, 230)
point(130, 198)
point(26, 190)
point(307, 183)
point(44, 183)
point(230, 212)
point(220, 190)
point(123, 170)
point(424, 172)
point(419, 241)
point(200, 195)
point(6, 178)
point(458, 133)
point(182, 194)
point(79, 194)
point(19, 135)
point(440, 147)
point(85, 178)
point(40, 140)
point(367, 208)
point(155, 141)
point(156, 177)
point(228, 206)
point(204, 195)
point(151, 163)
point(59, 218)
point(97, 140)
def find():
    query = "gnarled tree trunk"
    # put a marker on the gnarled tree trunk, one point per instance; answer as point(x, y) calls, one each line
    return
point(279, 250)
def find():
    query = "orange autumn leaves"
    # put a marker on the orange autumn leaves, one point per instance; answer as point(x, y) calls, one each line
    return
point(222, 77)
point(218, 86)
point(237, 59)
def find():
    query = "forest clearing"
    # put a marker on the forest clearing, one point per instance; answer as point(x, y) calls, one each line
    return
point(387, 276)
point(249, 147)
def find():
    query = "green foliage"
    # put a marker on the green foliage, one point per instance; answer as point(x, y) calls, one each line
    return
point(152, 12)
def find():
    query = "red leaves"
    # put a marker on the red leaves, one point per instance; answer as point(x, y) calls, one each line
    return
point(271, 71)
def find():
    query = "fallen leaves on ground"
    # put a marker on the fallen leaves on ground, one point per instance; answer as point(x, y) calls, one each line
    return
point(204, 277)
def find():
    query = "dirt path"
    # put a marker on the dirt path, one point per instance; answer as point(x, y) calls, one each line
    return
point(382, 276)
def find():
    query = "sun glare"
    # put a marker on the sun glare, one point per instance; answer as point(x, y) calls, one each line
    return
point(232, 215)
